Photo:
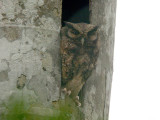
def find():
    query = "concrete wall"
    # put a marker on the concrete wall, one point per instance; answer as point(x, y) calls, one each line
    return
point(29, 46)
point(29, 53)
point(97, 90)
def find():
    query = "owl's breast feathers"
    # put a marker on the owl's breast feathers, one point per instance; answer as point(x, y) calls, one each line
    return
point(78, 61)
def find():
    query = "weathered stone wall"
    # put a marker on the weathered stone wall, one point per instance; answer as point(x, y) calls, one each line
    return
point(98, 88)
point(29, 48)
point(29, 52)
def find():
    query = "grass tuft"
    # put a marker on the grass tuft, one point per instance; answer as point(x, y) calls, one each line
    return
point(18, 108)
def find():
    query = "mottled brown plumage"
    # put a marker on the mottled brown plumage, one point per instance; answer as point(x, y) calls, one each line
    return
point(79, 52)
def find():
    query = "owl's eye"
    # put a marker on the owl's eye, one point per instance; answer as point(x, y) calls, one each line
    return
point(92, 36)
point(73, 33)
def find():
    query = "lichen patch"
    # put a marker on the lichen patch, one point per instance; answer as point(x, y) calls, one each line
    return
point(21, 81)
point(12, 33)
point(3, 76)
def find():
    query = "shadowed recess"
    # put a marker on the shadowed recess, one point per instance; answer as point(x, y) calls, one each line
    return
point(75, 11)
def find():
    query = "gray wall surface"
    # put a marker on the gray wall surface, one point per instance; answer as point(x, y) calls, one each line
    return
point(29, 53)
point(97, 90)
point(29, 46)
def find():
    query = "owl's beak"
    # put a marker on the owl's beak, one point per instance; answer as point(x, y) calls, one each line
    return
point(82, 41)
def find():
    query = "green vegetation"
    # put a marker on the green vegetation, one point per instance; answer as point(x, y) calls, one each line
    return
point(17, 108)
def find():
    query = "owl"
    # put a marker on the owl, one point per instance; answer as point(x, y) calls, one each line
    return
point(79, 49)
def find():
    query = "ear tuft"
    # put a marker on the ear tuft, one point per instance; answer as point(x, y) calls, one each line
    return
point(69, 24)
point(96, 28)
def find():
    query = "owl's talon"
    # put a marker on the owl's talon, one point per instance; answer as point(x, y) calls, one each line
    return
point(68, 92)
point(77, 97)
point(77, 101)
point(64, 89)
point(79, 104)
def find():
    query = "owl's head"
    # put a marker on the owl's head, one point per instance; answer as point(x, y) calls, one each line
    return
point(82, 33)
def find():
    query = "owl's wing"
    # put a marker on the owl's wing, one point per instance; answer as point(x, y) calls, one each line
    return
point(66, 62)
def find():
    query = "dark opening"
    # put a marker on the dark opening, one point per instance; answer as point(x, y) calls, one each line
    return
point(75, 11)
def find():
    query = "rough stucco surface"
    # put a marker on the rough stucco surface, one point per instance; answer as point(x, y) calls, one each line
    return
point(29, 54)
point(97, 90)
point(29, 48)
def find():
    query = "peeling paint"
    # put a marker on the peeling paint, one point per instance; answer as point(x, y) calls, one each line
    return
point(7, 48)
point(21, 81)
point(3, 76)
point(12, 33)
point(52, 7)
point(27, 37)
